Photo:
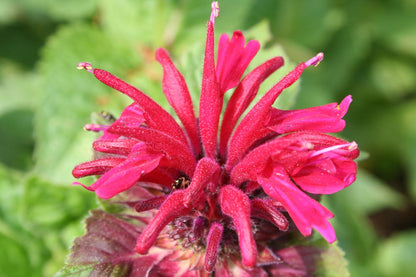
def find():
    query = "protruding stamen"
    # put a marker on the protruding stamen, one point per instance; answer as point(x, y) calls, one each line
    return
point(351, 146)
point(87, 66)
point(95, 127)
point(315, 60)
point(215, 11)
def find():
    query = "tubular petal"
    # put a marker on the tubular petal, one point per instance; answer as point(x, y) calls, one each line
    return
point(177, 154)
point(252, 126)
point(156, 117)
point(211, 99)
point(326, 118)
point(242, 97)
point(114, 146)
point(236, 205)
point(125, 175)
point(96, 167)
point(265, 210)
point(177, 93)
point(172, 208)
point(149, 204)
point(233, 58)
point(204, 173)
point(213, 243)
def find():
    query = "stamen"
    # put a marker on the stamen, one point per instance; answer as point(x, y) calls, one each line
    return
point(215, 11)
point(87, 66)
point(351, 146)
point(95, 127)
point(315, 60)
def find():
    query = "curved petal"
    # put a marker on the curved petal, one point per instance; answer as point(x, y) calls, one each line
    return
point(306, 212)
point(242, 97)
point(172, 208)
point(236, 205)
point(326, 118)
point(156, 117)
point(210, 104)
point(177, 154)
point(252, 126)
point(177, 93)
point(233, 58)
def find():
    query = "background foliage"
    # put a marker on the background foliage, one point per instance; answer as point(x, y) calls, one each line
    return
point(370, 52)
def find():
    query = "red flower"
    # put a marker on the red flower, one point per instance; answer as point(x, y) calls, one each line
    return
point(223, 176)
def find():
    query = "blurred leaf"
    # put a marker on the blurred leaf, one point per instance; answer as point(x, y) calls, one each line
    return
point(8, 11)
point(355, 234)
point(395, 28)
point(46, 206)
point(18, 89)
point(396, 256)
point(16, 141)
point(59, 9)
point(378, 195)
point(70, 96)
point(394, 78)
point(136, 21)
point(14, 260)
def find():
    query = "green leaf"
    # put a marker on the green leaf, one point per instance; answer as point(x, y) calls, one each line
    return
point(394, 78)
point(70, 96)
point(332, 262)
point(134, 21)
point(59, 9)
point(47, 207)
point(369, 194)
point(396, 256)
point(14, 260)
point(16, 138)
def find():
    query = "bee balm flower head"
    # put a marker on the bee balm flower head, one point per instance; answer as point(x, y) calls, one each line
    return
point(224, 188)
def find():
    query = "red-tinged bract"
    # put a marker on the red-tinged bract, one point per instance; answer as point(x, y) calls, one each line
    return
point(226, 187)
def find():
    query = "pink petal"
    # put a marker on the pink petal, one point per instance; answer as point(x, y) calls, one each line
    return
point(210, 104)
point(265, 210)
point(306, 212)
point(293, 151)
point(177, 154)
point(205, 171)
point(236, 205)
point(318, 179)
point(233, 59)
point(149, 204)
point(117, 146)
point(96, 167)
point(326, 118)
point(172, 208)
point(242, 97)
point(156, 117)
point(213, 243)
point(177, 93)
point(125, 175)
point(252, 126)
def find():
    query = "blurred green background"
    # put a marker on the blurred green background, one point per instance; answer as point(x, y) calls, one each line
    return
point(370, 52)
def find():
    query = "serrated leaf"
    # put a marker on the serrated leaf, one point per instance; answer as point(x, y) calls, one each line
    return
point(315, 258)
point(107, 249)
point(70, 96)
